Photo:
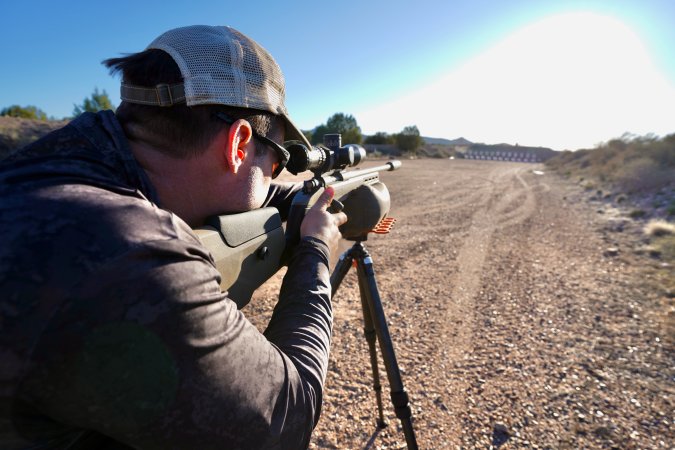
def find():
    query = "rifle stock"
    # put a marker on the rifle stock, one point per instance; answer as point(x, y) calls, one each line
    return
point(246, 248)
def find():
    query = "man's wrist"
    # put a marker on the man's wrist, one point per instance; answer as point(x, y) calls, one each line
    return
point(311, 242)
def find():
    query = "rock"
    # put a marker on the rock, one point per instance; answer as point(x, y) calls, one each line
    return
point(603, 432)
point(616, 225)
point(500, 434)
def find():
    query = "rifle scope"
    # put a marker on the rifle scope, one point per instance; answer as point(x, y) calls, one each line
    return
point(322, 159)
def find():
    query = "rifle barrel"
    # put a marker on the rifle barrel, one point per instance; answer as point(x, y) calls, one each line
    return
point(391, 165)
point(338, 176)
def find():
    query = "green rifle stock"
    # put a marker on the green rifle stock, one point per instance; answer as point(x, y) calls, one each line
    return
point(248, 248)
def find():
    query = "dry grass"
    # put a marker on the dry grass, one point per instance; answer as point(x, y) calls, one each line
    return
point(659, 228)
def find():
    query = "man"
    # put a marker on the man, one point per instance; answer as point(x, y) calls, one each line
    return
point(113, 330)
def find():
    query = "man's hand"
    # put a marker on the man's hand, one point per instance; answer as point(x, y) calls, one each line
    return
point(321, 224)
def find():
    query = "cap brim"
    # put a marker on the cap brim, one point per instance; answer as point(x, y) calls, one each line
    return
point(294, 133)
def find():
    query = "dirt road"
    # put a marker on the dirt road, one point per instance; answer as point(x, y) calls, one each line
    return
point(520, 319)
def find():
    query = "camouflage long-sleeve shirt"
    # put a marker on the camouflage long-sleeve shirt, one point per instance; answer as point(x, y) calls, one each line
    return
point(113, 328)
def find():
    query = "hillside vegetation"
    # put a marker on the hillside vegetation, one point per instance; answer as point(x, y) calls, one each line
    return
point(15, 132)
point(629, 165)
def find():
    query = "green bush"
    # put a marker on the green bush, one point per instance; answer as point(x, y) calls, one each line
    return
point(670, 209)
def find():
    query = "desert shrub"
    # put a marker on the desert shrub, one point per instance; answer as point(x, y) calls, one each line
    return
point(630, 163)
point(643, 174)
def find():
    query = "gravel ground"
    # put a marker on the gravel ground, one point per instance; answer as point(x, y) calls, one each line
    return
point(521, 314)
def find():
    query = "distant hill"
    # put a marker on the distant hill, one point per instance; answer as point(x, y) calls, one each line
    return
point(16, 132)
point(448, 142)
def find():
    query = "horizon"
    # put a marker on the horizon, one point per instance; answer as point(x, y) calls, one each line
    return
point(562, 75)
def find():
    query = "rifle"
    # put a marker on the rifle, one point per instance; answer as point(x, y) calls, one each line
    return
point(250, 247)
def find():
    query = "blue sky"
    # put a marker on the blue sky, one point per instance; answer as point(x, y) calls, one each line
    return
point(564, 74)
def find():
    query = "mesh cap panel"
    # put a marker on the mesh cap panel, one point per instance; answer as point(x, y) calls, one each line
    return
point(222, 66)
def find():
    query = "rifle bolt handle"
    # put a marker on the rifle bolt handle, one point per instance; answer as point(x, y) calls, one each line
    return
point(335, 206)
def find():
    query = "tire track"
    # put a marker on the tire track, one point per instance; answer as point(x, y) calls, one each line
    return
point(506, 199)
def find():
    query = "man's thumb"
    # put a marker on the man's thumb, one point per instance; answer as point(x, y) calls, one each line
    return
point(325, 199)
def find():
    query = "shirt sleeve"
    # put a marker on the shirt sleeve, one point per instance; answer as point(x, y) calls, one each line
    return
point(150, 352)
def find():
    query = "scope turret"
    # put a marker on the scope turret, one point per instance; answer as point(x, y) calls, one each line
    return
point(326, 158)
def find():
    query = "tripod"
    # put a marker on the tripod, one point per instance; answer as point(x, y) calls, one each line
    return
point(375, 326)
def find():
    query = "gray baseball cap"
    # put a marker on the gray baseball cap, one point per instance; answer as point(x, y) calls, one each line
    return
point(220, 66)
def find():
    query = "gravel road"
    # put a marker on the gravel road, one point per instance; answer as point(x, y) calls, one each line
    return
point(520, 314)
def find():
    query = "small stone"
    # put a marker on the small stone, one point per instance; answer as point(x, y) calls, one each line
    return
point(603, 432)
point(611, 251)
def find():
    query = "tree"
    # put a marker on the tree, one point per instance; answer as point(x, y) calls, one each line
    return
point(409, 140)
point(379, 138)
point(99, 101)
point(25, 112)
point(345, 124)
point(317, 134)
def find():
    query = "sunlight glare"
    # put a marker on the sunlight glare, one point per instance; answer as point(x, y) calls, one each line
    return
point(569, 81)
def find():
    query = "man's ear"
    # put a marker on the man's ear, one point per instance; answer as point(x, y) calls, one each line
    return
point(238, 137)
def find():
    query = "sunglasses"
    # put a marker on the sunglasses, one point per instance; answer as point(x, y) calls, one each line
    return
point(282, 154)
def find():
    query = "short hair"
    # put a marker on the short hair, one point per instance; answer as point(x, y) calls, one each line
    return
point(179, 130)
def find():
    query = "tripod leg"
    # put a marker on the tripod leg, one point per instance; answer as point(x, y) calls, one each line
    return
point(399, 397)
point(369, 332)
point(341, 268)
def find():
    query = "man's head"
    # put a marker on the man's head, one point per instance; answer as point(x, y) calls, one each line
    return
point(171, 91)
point(209, 103)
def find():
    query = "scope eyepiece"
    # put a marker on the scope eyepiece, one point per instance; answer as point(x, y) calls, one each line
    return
point(303, 158)
point(326, 158)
